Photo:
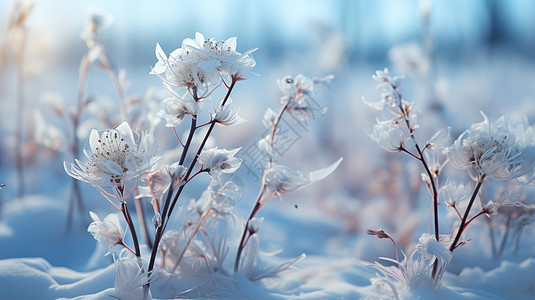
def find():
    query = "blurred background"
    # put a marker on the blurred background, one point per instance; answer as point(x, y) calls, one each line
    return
point(460, 58)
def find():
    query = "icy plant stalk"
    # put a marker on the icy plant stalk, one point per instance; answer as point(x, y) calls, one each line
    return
point(397, 134)
point(492, 151)
point(114, 158)
point(198, 68)
point(278, 179)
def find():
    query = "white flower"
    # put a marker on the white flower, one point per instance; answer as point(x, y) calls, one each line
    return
point(114, 156)
point(231, 62)
point(220, 161)
point(254, 225)
point(388, 135)
point(280, 179)
point(130, 277)
point(108, 232)
point(496, 150)
point(227, 115)
point(186, 68)
point(175, 109)
point(200, 63)
point(416, 269)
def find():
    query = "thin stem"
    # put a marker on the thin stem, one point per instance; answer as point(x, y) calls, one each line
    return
point(196, 157)
point(246, 229)
point(166, 213)
point(180, 141)
point(465, 217)
point(128, 218)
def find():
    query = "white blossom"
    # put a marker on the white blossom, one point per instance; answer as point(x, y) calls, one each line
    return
point(200, 62)
point(108, 232)
point(416, 269)
point(114, 157)
point(220, 161)
point(227, 115)
point(388, 135)
point(175, 109)
point(496, 150)
point(130, 277)
point(231, 62)
point(298, 95)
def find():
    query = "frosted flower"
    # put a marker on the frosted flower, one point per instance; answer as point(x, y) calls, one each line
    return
point(280, 179)
point(154, 184)
point(231, 62)
point(416, 269)
point(454, 194)
point(175, 109)
point(186, 68)
point(220, 161)
point(130, 277)
point(200, 62)
point(388, 135)
point(297, 95)
point(227, 115)
point(108, 232)
point(114, 157)
point(496, 150)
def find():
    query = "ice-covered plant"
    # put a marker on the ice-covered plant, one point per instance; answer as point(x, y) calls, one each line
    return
point(108, 232)
point(276, 178)
point(114, 158)
point(492, 151)
point(190, 74)
point(423, 267)
point(487, 150)
point(396, 134)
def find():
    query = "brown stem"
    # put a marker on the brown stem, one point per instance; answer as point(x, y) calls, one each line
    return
point(465, 217)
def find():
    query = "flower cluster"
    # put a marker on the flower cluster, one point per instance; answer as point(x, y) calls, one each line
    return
point(496, 150)
point(114, 157)
point(201, 63)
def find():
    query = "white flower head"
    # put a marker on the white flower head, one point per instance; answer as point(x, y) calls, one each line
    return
point(114, 156)
point(227, 115)
point(388, 135)
point(231, 62)
point(154, 184)
point(108, 231)
point(201, 62)
point(175, 109)
point(495, 150)
point(220, 161)
point(280, 179)
point(417, 269)
point(130, 277)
